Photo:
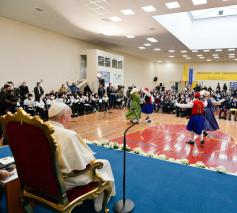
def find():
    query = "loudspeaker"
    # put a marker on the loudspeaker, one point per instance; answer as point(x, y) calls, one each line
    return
point(155, 79)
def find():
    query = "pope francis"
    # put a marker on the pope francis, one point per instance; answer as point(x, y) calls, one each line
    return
point(75, 154)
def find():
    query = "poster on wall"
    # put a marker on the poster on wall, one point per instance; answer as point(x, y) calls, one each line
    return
point(106, 76)
point(116, 77)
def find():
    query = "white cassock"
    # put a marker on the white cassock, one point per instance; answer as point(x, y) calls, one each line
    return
point(76, 155)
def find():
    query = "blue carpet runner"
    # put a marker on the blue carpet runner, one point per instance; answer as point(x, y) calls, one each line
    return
point(164, 187)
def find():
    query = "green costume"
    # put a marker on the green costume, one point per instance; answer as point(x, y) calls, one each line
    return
point(134, 111)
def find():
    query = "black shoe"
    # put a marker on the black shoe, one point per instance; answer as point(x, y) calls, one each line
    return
point(190, 142)
point(148, 121)
point(146, 118)
point(205, 134)
point(202, 142)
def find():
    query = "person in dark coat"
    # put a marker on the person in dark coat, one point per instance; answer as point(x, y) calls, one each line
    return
point(24, 91)
point(38, 91)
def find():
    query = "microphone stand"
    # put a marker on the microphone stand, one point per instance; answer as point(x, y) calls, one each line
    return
point(125, 205)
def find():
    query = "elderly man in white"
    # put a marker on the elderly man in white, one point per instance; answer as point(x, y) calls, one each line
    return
point(75, 154)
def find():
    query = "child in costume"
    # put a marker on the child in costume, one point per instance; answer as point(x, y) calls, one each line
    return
point(147, 106)
point(196, 122)
point(134, 112)
point(210, 123)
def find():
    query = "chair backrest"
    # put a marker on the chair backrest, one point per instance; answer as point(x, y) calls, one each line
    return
point(36, 155)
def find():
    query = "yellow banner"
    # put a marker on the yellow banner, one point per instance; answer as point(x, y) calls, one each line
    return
point(185, 73)
point(216, 76)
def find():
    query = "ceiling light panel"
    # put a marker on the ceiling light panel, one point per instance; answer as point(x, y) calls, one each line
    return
point(172, 5)
point(199, 2)
point(141, 48)
point(115, 19)
point(127, 12)
point(130, 36)
point(152, 39)
point(149, 9)
point(147, 44)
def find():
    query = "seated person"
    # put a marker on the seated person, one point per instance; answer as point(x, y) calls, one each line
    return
point(223, 109)
point(232, 108)
point(75, 154)
point(28, 105)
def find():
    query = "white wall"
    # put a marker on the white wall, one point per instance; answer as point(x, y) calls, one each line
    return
point(29, 54)
point(138, 72)
point(168, 73)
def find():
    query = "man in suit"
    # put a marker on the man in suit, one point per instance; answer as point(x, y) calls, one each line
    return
point(24, 91)
point(38, 91)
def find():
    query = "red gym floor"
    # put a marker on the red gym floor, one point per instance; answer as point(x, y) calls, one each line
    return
point(219, 148)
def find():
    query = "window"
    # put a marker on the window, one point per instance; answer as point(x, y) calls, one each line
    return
point(83, 69)
point(101, 61)
point(114, 63)
point(120, 64)
point(107, 62)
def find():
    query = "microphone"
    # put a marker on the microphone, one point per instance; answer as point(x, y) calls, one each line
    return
point(125, 205)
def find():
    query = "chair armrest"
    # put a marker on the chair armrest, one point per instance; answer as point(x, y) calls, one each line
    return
point(90, 168)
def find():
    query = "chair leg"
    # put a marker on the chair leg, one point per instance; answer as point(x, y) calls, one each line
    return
point(27, 206)
point(105, 201)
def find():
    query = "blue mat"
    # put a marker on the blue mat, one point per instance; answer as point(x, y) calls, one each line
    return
point(164, 187)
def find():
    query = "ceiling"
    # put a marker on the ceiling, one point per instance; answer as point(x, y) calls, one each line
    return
point(89, 20)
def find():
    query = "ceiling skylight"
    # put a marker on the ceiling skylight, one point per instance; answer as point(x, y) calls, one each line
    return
point(214, 12)
point(197, 33)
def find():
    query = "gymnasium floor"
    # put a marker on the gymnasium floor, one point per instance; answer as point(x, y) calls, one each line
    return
point(165, 135)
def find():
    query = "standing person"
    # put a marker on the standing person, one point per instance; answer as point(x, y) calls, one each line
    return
point(24, 91)
point(218, 88)
point(210, 123)
point(111, 95)
point(73, 87)
point(38, 91)
point(63, 90)
point(101, 91)
point(196, 122)
point(134, 112)
point(147, 106)
point(225, 88)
